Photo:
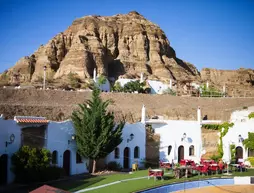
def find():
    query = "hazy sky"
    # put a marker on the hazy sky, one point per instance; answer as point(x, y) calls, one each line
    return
point(208, 33)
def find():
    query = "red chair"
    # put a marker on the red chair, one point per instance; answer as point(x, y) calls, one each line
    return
point(182, 162)
point(204, 169)
point(213, 169)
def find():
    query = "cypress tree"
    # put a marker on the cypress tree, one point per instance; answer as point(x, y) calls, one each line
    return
point(97, 134)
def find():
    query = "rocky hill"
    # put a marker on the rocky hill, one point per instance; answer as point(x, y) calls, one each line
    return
point(120, 45)
point(123, 44)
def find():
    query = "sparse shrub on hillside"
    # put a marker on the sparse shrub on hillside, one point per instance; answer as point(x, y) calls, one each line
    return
point(4, 79)
point(117, 87)
point(169, 91)
point(210, 92)
point(251, 115)
point(50, 76)
point(134, 86)
point(74, 80)
point(102, 80)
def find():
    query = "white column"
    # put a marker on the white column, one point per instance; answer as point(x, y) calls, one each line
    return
point(141, 77)
point(207, 84)
point(170, 83)
point(94, 75)
point(199, 115)
point(44, 77)
point(143, 115)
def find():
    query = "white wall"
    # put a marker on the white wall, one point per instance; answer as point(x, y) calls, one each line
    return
point(58, 134)
point(138, 129)
point(239, 128)
point(171, 133)
point(104, 87)
point(124, 81)
point(157, 87)
point(8, 127)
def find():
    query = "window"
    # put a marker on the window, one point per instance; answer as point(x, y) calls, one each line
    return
point(78, 158)
point(191, 150)
point(54, 157)
point(250, 152)
point(136, 152)
point(117, 153)
point(169, 149)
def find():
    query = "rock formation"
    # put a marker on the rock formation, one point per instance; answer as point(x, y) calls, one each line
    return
point(123, 44)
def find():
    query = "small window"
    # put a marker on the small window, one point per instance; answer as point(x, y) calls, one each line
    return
point(54, 157)
point(117, 153)
point(191, 150)
point(250, 152)
point(136, 152)
point(78, 158)
point(169, 149)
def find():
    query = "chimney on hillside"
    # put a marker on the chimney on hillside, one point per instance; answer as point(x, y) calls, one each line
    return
point(94, 75)
point(170, 83)
point(199, 115)
point(143, 115)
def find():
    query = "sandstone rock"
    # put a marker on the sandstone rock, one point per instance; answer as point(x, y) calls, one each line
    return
point(123, 44)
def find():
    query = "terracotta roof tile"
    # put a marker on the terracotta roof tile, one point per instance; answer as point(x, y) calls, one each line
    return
point(32, 120)
point(47, 189)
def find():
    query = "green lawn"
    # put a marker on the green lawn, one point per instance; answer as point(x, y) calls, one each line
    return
point(129, 186)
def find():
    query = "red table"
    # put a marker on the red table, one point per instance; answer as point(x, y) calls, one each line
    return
point(155, 173)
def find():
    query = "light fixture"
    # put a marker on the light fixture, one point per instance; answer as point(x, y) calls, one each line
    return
point(12, 138)
point(73, 137)
point(184, 136)
point(131, 138)
point(240, 139)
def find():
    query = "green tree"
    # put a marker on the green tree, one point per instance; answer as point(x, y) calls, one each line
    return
point(97, 134)
point(249, 142)
point(133, 86)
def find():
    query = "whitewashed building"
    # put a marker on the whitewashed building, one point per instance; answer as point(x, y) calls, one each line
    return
point(133, 147)
point(58, 137)
point(179, 139)
point(235, 135)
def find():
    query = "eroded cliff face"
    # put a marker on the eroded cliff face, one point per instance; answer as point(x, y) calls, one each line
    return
point(123, 44)
point(229, 77)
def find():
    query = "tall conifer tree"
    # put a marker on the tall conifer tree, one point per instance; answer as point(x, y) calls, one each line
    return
point(97, 134)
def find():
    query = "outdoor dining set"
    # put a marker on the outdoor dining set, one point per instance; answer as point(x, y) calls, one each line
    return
point(187, 168)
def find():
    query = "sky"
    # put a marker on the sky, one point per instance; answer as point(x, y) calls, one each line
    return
point(207, 33)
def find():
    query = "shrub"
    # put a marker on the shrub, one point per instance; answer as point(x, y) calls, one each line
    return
point(133, 86)
point(251, 160)
point(117, 87)
point(169, 91)
point(33, 165)
point(74, 80)
point(216, 158)
point(211, 126)
point(251, 115)
point(114, 166)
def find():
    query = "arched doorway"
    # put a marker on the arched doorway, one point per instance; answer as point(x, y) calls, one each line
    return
point(3, 169)
point(66, 161)
point(180, 153)
point(238, 153)
point(126, 159)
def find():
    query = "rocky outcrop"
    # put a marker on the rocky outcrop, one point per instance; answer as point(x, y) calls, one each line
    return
point(229, 77)
point(123, 44)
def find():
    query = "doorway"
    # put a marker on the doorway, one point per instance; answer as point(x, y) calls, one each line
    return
point(66, 162)
point(3, 169)
point(126, 159)
point(238, 153)
point(180, 153)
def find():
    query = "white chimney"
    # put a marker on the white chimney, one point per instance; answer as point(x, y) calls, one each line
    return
point(170, 83)
point(199, 115)
point(141, 77)
point(224, 88)
point(143, 115)
point(207, 85)
point(94, 75)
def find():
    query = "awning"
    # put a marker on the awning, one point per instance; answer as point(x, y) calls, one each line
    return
point(31, 120)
